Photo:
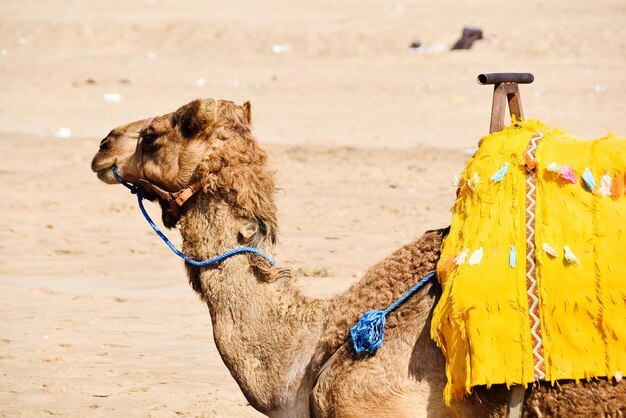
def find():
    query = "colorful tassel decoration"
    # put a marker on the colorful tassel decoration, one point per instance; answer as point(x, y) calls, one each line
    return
point(570, 257)
point(530, 163)
point(460, 259)
point(617, 187)
point(476, 257)
point(500, 173)
point(553, 168)
point(605, 185)
point(473, 182)
point(589, 180)
point(549, 250)
point(448, 265)
point(512, 257)
point(567, 174)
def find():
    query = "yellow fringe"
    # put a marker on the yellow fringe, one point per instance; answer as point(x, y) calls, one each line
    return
point(482, 322)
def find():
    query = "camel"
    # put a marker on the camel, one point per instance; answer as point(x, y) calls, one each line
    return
point(290, 354)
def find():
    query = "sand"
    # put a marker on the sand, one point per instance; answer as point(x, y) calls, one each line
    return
point(97, 318)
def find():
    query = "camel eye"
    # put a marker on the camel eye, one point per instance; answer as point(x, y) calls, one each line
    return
point(149, 137)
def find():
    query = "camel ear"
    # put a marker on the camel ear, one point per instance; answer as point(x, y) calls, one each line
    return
point(247, 111)
point(248, 230)
point(253, 233)
point(210, 107)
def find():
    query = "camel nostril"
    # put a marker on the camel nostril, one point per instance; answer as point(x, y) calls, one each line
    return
point(104, 144)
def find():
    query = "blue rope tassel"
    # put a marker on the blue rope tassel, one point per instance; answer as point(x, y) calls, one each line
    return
point(368, 334)
point(217, 259)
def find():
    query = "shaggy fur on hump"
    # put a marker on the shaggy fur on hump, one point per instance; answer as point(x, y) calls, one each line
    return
point(235, 169)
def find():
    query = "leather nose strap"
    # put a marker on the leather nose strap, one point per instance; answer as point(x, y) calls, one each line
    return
point(139, 149)
point(139, 158)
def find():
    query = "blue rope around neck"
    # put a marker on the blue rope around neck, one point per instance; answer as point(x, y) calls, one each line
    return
point(368, 334)
point(214, 260)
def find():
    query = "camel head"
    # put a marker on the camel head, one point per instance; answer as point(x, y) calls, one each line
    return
point(206, 145)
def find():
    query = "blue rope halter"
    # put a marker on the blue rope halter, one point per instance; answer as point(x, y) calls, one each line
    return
point(368, 334)
point(239, 250)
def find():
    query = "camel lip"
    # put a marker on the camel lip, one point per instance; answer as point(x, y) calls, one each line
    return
point(101, 169)
point(104, 170)
point(106, 175)
point(101, 162)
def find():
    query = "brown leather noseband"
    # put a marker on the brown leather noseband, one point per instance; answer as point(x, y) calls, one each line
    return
point(174, 199)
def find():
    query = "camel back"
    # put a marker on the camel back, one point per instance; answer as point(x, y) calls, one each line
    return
point(534, 268)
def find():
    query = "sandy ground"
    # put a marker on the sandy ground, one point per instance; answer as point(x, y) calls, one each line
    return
point(96, 315)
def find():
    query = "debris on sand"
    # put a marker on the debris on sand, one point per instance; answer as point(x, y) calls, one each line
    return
point(63, 133)
point(419, 48)
point(468, 37)
point(435, 48)
point(112, 97)
point(280, 48)
point(415, 46)
point(599, 88)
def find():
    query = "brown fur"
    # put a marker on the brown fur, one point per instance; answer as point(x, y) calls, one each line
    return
point(274, 340)
point(237, 171)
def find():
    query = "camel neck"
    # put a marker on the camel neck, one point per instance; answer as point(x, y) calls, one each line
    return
point(274, 340)
point(265, 331)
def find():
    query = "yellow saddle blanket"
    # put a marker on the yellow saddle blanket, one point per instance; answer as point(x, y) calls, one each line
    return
point(534, 268)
